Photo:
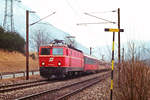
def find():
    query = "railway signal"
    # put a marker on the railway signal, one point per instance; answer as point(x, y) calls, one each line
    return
point(113, 30)
point(113, 48)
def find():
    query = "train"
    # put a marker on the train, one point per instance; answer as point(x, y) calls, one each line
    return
point(61, 60)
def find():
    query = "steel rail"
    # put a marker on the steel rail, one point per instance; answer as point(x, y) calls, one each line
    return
point(22, 86)
point(17, 84)
point(33, 96)
point(80, 89)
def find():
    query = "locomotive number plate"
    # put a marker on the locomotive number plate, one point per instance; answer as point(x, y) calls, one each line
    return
point(51, 59)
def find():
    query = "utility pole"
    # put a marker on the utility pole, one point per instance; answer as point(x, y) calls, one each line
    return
point(122, 55)
point(90, 50)
point(27, 38)
point(119, 45)
point(103, 57)
point(27, 44)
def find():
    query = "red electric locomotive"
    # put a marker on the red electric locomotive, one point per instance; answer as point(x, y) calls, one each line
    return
point(61, 60)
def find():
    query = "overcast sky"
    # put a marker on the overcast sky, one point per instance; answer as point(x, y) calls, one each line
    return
point(135, 18)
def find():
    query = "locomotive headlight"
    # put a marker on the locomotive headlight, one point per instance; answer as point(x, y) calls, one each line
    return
point(59, 63)
point(43, 63)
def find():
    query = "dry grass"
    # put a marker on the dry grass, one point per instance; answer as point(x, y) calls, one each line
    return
point(19, 80)
point(134, 81)
point(14, 61)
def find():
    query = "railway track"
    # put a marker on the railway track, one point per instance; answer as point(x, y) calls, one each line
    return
point(63, 92)
point(23, 83)
point(18, 86)
point(12, 87)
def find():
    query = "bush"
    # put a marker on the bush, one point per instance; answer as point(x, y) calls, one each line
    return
point(11, 41)
point(134, 81)
point(33, 56)
point(1, 30)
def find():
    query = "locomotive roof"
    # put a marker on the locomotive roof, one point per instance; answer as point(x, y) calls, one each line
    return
point(62, 45)
point(75, 49)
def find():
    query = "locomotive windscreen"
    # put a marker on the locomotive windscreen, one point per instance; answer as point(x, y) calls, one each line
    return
point(57, 51)
point(45, 51)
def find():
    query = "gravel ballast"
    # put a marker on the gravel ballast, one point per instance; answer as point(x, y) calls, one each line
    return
point(37, 89)
point(100, 91)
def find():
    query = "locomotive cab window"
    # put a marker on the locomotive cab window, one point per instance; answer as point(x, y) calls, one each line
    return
point(45, 51)
point(57, 51)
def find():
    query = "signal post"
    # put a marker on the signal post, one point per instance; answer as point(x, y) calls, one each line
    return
point(112, 30)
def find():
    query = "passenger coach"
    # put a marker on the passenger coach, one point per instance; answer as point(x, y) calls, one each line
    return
point(91, 64)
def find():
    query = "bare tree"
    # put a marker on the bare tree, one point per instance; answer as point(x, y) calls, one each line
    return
point(134, 76)
point(108, 52)
point(39, 38)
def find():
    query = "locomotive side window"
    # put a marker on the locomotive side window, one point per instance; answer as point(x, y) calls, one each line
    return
point(57, 51)
point(45, 51)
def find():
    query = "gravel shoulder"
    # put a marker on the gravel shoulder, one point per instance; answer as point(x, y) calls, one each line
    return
point(100, 91)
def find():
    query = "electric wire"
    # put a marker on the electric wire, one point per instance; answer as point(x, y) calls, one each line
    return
point(75, 12)
point(99, 18)
point(93, 23)
point(43, 18)
point(105, 11)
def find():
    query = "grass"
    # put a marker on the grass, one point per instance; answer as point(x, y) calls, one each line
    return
point(15, 61)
